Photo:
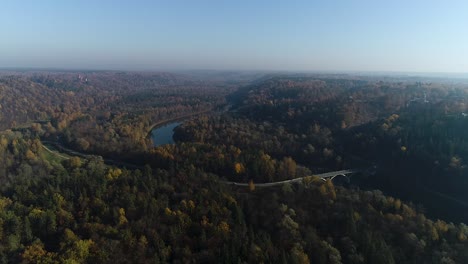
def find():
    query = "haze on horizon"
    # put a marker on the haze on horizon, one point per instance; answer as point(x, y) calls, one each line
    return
point(413, 36)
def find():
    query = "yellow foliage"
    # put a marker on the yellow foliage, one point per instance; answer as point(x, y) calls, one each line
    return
point(461, 237)
point(122, 218)
point(332, 194)
point(69, 235)
point(224, 227)
point(421, 219)
point(455, 162)
point(113, 174)
point(399, 217)
point(251, 186)
point(59, 200)
point(79, 252)
point(36, 213)
point(343, 124)
point(117, 172)
point(75, 162)
point(434, 234)
point(64, 216)
point(143, 242)
point(385, 127)
point(239, 168)
point(307, 180)
point(4, 202)
point(408, 211)
point(204, 222)
point(323, 190)
point(298, 252)
point(168, 211)
point(356, 216)
point(255, 250)
point(393, 118)
point(229, 198)
point(394, 217)
point(441, 226)
point(3, 142)
point(328, 189)
point(397, 204)
point(33, 253)
point(30, 155)
point(237, 152)
point(36, 253)
point(191, 205)
point(330, 185)
point(61, 125)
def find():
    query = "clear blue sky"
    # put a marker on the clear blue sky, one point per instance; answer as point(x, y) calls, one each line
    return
point(373, 35)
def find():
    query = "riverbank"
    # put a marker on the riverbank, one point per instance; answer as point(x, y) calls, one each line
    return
point(179, 118)
point(163, 135)
point(113, 162)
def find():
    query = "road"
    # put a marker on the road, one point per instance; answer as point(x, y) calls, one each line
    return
point(55, 153)
point(111, 161)
point(86, 156)
point(323, 176)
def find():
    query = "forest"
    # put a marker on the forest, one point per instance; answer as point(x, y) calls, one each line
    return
point(405, 135)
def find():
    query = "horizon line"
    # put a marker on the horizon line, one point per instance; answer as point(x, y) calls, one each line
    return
point(458, 74)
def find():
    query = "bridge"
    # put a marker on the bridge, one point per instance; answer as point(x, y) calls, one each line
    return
point(324, 176)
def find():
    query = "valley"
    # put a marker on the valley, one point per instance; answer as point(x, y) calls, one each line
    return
point(250, 170)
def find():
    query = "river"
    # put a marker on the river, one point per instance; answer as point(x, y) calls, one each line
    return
point(163, 135)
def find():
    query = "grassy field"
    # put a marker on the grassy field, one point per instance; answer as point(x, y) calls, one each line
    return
point(52, 155)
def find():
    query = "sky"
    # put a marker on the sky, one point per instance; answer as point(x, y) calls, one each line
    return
point(328, 35)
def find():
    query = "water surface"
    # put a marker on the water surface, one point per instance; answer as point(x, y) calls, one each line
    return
point(163, 135)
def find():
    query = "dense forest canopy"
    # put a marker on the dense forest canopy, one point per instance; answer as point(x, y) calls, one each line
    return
point(81, 181)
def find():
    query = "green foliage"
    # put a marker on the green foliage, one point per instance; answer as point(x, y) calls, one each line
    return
point(175, 209)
